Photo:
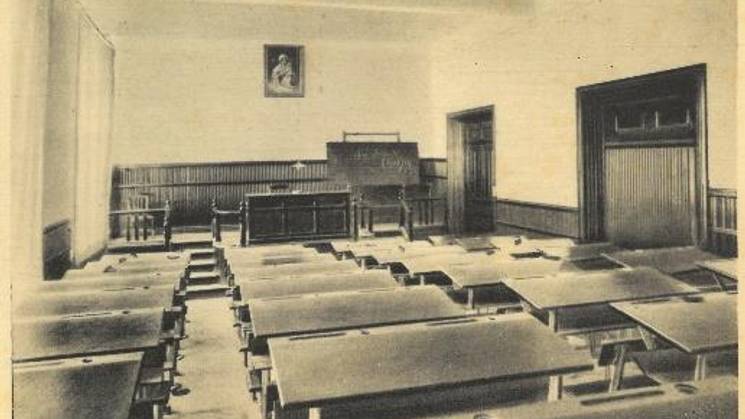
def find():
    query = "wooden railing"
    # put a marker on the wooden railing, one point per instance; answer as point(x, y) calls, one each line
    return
point(413, 212)
point(361, 216)
point(722, 220)
point(136, 225)
point(218, 215)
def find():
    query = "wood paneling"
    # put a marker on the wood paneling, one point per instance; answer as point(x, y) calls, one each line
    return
point(544, 218)
point(650, 200)
point(434, 172)
point(57, 246)
point(191, 187)
point(722, 221)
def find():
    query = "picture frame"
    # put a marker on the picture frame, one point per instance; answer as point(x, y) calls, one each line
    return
point(284, 70)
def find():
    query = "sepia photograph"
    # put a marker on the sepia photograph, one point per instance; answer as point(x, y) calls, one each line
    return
point(501, 209)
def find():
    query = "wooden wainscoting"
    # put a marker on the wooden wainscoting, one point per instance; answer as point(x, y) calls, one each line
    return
point(544, 218)
point(190, 188)
point(722, 221)
point(57, 246)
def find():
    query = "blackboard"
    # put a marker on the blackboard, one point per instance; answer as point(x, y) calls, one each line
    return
point(373, 163)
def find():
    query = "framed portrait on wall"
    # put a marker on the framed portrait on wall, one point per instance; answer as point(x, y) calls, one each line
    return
point(284, 71)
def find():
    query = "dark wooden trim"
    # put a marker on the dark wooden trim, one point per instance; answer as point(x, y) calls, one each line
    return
point(471, 112)
point(434, 159)
point(633, 80)
point(218, 163)
point(55, 225)
point(537, 205)
point(534, 230)
point(723, 192)
point(218, 183)
point(423, 176)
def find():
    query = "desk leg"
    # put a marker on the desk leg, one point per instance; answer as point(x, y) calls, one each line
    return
point(314, 413)
point(553, 320)
point(619, 362)
point(555, 387)
point(264, 400)
point(700, 372)
point(471, 303)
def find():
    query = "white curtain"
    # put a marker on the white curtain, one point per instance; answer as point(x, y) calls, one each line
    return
point(95, 102)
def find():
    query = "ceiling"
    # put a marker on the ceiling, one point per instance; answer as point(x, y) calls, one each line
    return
point(369, 20)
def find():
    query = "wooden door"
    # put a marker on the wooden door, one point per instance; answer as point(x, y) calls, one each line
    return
point(650, 172)
point(478, 155)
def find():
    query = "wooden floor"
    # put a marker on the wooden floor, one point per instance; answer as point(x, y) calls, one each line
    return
point(212, 369)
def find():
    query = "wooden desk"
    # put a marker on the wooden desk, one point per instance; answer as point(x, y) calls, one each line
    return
point(49, 337)
point(580, 251)
point(273, 317)
point(125, 269)
point(470, 244)
point(316, 284)
point(471, 276)
point(293, 270)
point(441, 254)
point(697, 325)
point(104, 282)
point(270, 261)
point(328, 369)
point(297, 216)
point(340, 246)
point(712, 398)
point(76, 388)
point(567, 291)
point(723, 270)
point(672, 260)
point(62, 303)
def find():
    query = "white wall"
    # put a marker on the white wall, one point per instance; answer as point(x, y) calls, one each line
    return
point(192, 100)
point(30, 35)
point(530, 74)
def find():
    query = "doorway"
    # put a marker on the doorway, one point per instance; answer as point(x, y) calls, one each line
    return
point(471, 170)
point(642, 168)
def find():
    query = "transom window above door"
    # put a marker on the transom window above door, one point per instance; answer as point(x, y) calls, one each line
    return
point(650, 122)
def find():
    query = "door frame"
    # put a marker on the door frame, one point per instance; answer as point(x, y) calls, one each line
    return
point(456, 141)
point(590, 159)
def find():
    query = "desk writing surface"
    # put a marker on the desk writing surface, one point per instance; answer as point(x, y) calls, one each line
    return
point(724, 267)
point(61, 303)
point(268, 251)
point(269, 261)
point(712, 398)
point(294, 270)
point(436, 253)
point(76, 388)
point(316, 284)
point(313, 371)
point(363, 245)
point(670, 260)
point(496, 271)
point(443, 262)
point(123, 269)
point(46, 337)
point(701, 323)
point(349, 309)
point(597, 288)
point(580, 251)
point(106, 282)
